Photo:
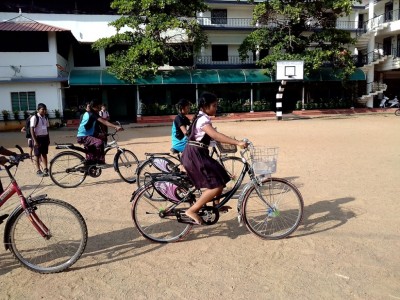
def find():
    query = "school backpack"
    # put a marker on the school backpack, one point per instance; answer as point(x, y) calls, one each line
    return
point(28, 125)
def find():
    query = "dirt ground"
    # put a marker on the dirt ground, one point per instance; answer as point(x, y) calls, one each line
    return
point(347, 169)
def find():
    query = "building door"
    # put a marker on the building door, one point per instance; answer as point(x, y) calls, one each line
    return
point(398, 46)
point(387, 46)
point(360, 21)
point(388, 11)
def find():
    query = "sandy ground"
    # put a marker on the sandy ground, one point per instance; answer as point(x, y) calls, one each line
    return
point(346, 167)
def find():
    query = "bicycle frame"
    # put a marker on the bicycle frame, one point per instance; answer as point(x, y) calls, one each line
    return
point(247, 169)
point(12, 189)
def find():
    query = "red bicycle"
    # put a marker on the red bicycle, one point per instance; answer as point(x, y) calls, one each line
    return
point(45, 235)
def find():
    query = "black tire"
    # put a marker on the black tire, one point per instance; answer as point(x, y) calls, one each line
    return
point(67, 169)
point(126, 164)
point(283, 214)
point(147, 216)
point(56, 252)
point(397, 112)
point(234, 166)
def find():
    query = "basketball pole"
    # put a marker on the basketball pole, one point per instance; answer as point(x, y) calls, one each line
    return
point(279, 97)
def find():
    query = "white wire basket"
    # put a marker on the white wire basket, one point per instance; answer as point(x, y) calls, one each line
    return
point(264, 160)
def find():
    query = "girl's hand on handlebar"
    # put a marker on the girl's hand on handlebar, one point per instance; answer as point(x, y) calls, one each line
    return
point(118, 128)
point(243, 144)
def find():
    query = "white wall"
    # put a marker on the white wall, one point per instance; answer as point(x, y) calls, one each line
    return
point(47, 93)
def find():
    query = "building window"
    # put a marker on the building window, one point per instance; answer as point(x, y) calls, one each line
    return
point(219, 16)
point(23, 41)
point(85, 55)
point(219, 52)
point(23, 101)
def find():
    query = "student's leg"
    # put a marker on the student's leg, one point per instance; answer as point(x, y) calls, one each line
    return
point(205, 197)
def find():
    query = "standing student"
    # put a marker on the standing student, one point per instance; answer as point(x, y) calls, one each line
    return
point(204, 171)
point(39, 125)
point(180, 125)
point(103, 113)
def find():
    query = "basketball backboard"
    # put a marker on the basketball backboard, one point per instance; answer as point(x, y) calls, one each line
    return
point(289, 70)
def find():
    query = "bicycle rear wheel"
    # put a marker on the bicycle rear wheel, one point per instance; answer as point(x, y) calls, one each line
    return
point(277, 213)
point(62, 247)
point(126, 164)
point(154, 220)
point(67, 169)
point(151, 166)
point(397, 112)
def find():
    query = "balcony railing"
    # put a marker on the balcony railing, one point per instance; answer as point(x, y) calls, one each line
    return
point(232, 60)
point(390, 16)
point(210, 22)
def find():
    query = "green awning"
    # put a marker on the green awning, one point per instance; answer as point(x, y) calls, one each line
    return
point(215, 76)
point(328, 74)
point(93, 77)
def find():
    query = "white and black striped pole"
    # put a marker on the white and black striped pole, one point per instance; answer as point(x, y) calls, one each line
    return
point(279, 97)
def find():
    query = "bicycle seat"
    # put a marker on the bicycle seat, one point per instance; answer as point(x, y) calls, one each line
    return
point(174, 151)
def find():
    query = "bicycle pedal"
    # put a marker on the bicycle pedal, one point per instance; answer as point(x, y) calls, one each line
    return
point(3, 217)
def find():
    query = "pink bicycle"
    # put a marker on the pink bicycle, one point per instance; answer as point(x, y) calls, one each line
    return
point(45, 235)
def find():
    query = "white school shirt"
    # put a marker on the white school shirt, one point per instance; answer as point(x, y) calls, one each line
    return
point(104, 114)
point(42, 125)
point(203, 120)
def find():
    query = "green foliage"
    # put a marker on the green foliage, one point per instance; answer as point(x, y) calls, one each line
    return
point(301, 30)
point(151, 31)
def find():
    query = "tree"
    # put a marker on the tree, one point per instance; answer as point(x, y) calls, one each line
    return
point(150, 33)
point(301, 30)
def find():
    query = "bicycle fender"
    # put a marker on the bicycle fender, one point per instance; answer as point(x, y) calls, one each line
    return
point(242, 195)
point(10, 219)
point(116, 157)
point(136, 192)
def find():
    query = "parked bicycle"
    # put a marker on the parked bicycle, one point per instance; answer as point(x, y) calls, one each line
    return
point(165, 162)
point(69, 169)
point(271, 208)
point(45, 235)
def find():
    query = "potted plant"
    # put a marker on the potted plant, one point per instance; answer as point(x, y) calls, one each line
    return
point(57, 113)
point(26, 114)
point(6, 115)
point(16, 114)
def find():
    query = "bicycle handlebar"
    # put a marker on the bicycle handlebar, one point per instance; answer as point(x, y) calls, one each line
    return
point(14, 160)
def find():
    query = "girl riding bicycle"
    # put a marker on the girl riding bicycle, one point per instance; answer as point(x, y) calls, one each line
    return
point(179, 126)
point(87, 133)
point(205, 172)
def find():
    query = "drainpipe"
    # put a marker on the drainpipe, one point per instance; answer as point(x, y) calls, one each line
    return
point(251, 99)
point(138, 104)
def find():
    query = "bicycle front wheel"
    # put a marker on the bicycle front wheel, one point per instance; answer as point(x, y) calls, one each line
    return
point(276, 211)
point(126, 164)
point(155, 220)
point(397, 112)
point(67, 169)
point(60, 249)
point(234, 166)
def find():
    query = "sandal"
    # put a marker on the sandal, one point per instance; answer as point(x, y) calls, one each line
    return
point(193, 221)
